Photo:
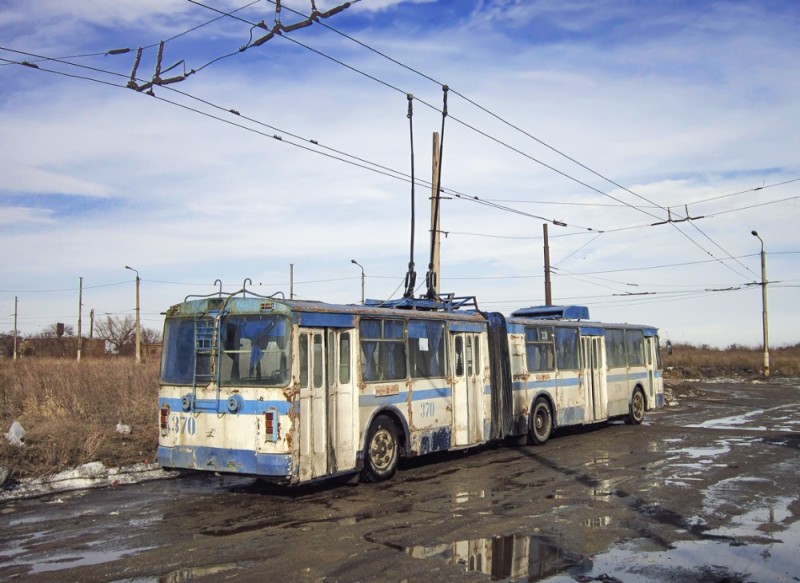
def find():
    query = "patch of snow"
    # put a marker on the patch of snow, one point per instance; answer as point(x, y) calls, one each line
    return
point(91, 475)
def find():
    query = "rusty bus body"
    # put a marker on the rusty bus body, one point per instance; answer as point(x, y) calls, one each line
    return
point(297, 391)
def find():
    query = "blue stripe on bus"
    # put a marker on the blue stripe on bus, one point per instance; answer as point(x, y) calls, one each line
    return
point(467, 327)
point(575, 381)
point(324, 320)
point(248, 407)
point(219, 459)
point(548, 384)
point(402, 397)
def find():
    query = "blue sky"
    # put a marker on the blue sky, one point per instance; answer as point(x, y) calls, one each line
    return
point(598, 115)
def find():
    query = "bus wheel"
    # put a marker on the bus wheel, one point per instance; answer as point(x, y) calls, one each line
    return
point(541, 422)
point(383, 451)
point(636, 413)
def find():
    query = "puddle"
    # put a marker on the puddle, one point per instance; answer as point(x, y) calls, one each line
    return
point(703, 560)
point(760, 545)
point(502, 557)
point(695, 461)
point(183, 575)
point(785, 421)
point(71, 560)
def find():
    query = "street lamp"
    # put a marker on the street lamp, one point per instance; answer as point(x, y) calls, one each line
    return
point(362, 279)
point(138, 321)
point(764, 303)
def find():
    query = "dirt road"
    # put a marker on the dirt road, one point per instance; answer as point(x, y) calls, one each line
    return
point(705, 490)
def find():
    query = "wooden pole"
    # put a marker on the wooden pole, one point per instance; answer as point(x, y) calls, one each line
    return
point(548, 294)
point(15, 328)
point(80, 306)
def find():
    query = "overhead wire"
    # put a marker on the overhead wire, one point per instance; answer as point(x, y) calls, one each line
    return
point(500, 207)
point(355, 160)
point(514, 149)
point(385, 171)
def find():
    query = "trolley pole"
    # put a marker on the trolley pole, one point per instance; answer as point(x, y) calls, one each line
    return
point(436, 219)
point(764, 319)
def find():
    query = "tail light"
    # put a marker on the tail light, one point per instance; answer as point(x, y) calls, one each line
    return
point(164, 418)
point(271, 425)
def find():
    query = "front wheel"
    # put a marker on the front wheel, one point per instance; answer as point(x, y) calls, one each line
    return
point(637, 408)
point(382, 452)
point(541, 422)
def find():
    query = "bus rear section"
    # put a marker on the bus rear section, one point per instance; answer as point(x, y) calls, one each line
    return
point(225, 403)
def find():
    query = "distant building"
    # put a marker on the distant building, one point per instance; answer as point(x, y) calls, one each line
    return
point(64, 347)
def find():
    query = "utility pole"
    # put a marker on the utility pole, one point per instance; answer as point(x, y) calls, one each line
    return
point(548, 294)
point(764, 324)
point(15, 328)
point(291, 281)
point(138, 321)
point(80, 306)
point(362, 279)
point(91, 323)
point(435, 216)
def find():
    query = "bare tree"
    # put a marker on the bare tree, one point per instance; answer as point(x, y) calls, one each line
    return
point(151, 336)
point(120, 333)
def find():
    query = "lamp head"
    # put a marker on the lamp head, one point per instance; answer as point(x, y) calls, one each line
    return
point(754, 233)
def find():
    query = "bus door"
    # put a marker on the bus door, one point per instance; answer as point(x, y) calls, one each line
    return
point(327, 440)
point(650, 359)
point(467, 388)
point(342, 402)
point(594, 375)
point(313, 404)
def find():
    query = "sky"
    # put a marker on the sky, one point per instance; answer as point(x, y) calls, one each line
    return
point(650, 137)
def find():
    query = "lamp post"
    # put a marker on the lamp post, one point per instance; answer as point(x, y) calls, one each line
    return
point(362, 279)
point(764, 303)
point(138, 321)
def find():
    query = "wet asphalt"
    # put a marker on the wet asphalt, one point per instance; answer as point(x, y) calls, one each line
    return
point(705, 490)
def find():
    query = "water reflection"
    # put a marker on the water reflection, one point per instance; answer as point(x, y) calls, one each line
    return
point(503, 557)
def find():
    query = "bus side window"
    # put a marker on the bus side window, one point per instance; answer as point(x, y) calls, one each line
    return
point(344, 358)
point(317, 361)
point(478, 366)
point(459, 356)
point(567, 348)
point(469, 356)
point(303, 357)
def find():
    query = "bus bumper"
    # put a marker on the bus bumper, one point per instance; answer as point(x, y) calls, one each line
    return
point(231, 461)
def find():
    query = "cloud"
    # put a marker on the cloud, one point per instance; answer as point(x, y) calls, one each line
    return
point(679, 105)
point(19, 215)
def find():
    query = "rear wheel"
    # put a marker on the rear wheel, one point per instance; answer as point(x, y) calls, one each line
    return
point(382, 452)
point(637, 408)
point(541, 422)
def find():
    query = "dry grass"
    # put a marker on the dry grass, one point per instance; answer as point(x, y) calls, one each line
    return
point(70, 410)
point(689, 361)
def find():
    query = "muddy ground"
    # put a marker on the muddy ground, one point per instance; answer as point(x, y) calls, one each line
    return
point(705, 490)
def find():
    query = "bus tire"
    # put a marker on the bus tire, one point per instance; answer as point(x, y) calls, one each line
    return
point(541, 422)
point(636, 409)
point(382, 450)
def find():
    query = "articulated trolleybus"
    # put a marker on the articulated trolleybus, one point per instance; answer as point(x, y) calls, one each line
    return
point(296, 391)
